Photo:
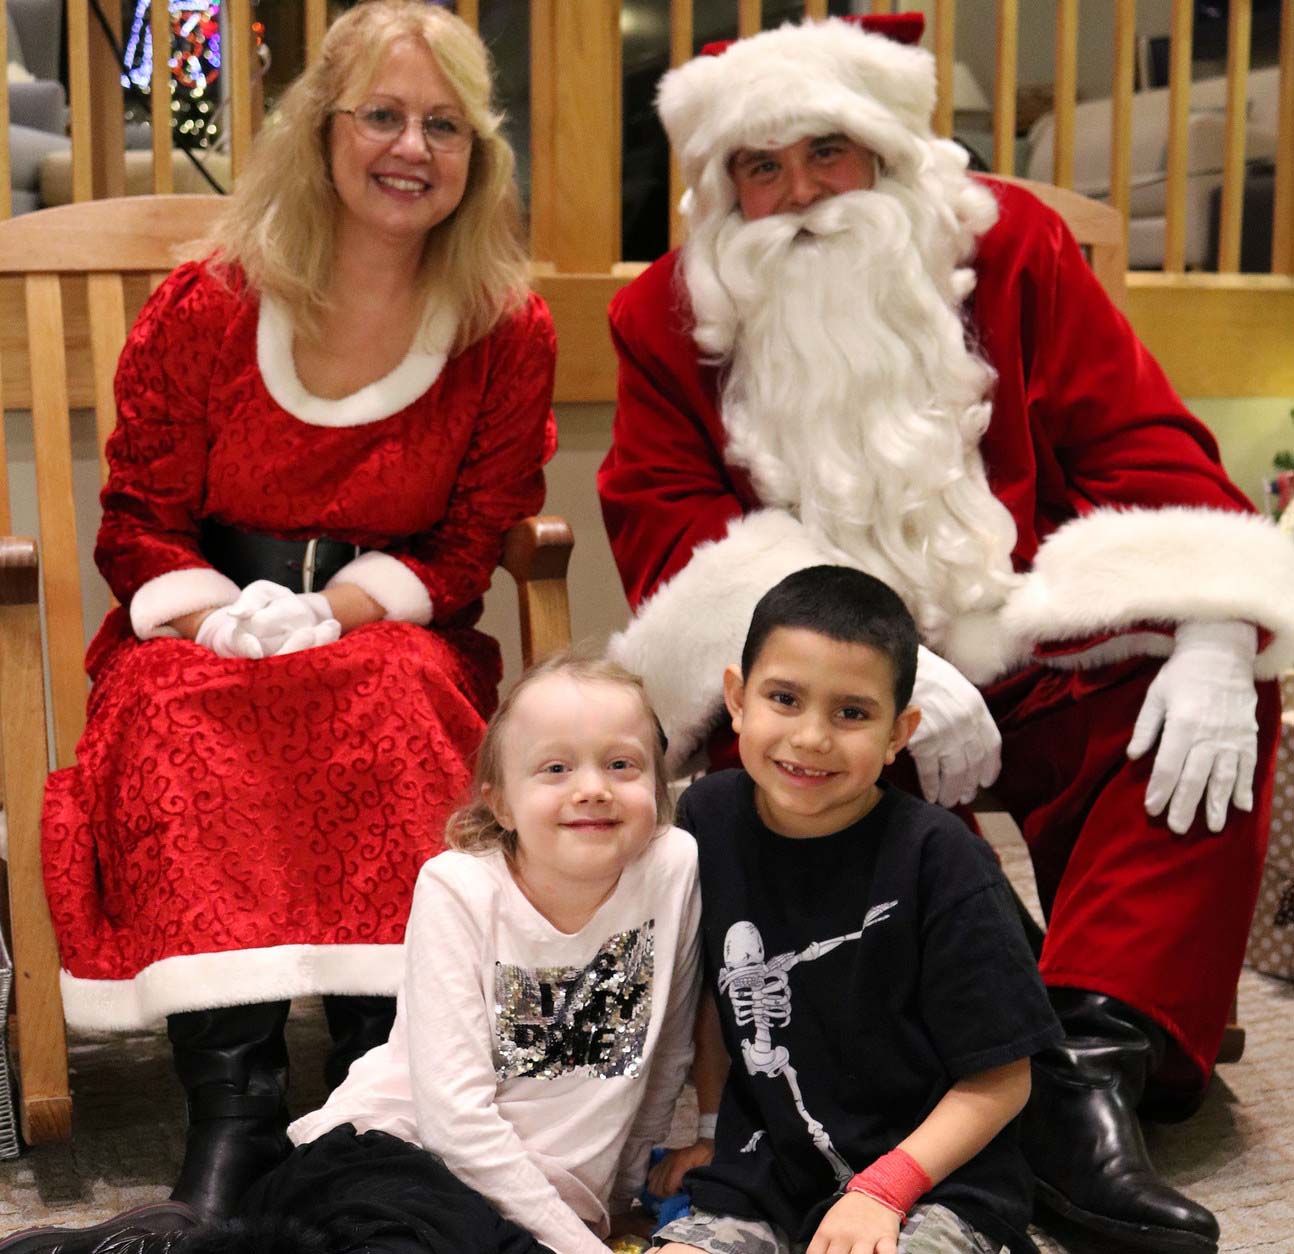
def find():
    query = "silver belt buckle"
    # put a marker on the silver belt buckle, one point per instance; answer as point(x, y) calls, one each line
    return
point(308, 566)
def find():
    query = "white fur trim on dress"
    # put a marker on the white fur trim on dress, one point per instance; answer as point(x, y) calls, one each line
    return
point(390, 394)
point(695, 624)
point(1114, 569)
point(391, 584)
point(237, 977)
point(176, 593)
point(812, 78)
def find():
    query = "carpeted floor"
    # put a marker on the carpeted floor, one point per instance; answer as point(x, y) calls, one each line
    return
point(1236, 1156)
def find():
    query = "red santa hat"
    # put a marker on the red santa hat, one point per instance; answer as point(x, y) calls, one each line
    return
point(811, 79)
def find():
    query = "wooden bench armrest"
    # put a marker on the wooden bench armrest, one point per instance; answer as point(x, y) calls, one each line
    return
point(536, 553)
point(45, 1104)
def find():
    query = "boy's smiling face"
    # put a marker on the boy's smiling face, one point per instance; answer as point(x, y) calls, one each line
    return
point(816, 725)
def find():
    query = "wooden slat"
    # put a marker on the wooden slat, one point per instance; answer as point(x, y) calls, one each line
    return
point(105, 297)
point(45, 1105)
point(238, 70)
point(575, 198)
point(469, 11)
point(316, 27)
point(1283, 222)
point(680, 50)
point(53, 446)
point(139, 233)
point(160, 100)
point(882, 6)
point(816, 10)
point(1066, 92)
point(945, 58)
point(1239, 30)
point(1179, 109)
point(107, 109)
point(1125, 44)
point(78, 92)
point(1008, 38)
point(750, 17)
point(536, 553)
point(6, 189)
point(6, 517)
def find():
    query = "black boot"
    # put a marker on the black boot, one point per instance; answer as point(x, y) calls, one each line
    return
point(1081, 1136)
point(356, 1024)
point(233, 1064)
point(157, 1228)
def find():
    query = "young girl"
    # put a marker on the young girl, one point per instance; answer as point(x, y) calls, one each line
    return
point(543, 1030)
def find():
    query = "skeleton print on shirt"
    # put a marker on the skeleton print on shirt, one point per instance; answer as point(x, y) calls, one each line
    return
point(761, 995)
point(553, 1020)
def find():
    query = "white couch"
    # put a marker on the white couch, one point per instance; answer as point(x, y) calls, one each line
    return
point(1207, 137)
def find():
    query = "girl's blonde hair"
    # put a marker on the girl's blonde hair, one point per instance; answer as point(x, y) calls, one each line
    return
point(281, 221)
point(473, 828)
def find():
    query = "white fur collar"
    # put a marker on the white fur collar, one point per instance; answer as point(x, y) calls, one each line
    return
point(387, 396)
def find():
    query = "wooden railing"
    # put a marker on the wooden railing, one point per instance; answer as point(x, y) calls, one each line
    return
point(575, 126)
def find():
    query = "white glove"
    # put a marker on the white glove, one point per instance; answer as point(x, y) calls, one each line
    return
point(1205, 701)
point(226, 636)
point(285, 621)
point(957, 746)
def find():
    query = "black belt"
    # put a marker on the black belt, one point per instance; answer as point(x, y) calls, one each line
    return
point(302, 565)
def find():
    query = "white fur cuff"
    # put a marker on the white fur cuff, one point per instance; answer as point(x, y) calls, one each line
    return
point(391, 584)
point(1115, 569)
point(695, 625)
point(176, 593)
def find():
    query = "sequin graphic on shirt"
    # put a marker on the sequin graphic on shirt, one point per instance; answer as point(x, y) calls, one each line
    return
point(760, 991)
point(554, 1020)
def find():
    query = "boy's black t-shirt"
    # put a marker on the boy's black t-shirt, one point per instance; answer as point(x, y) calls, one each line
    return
point(858, 976)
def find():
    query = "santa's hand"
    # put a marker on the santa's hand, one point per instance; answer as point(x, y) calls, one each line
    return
point(285, 621)
point(226, 636)
point(1204, 700)
point(956, 746)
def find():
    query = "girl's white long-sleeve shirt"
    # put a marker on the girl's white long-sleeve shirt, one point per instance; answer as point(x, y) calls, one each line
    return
point(540, 1066)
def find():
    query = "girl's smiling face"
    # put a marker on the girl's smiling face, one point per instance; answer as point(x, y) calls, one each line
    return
point(577, 785)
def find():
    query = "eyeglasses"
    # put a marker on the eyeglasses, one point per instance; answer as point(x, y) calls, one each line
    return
point(443, 131)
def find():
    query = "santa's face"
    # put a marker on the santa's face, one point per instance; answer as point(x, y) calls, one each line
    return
point(791, 178)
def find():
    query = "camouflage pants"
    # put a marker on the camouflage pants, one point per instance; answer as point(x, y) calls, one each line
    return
point(930, 1229)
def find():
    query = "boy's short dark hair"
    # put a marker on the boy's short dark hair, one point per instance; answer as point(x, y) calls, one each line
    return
point(842, 604)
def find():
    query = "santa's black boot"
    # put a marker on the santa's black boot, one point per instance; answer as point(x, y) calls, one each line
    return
point(157, 1228)
point(1082, 1138)
point(233, 1063)
point(356, 1025)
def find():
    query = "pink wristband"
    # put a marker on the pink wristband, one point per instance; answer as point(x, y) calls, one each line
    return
point(896, 1180)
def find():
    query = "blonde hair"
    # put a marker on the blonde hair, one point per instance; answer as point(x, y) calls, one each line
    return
point(473, 828)
point(282, 217)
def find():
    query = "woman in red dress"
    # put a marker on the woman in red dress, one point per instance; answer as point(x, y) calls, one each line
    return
point(325, 428)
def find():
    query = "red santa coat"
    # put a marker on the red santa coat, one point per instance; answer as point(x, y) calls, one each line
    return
point(238, 831)
point(1126, 523)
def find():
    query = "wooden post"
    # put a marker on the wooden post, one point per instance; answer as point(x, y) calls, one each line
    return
point(1283, 223)
point(1239, 32)
point(575, 149)
point(1125, 32)
point(469, 11)
point(1179, 109)
point(1008, 39)
point(1066, 92)
point(680, 50)
point(160, 112)
point(107, 108)
point(78, 93)
point(6, 190)
point(316, 27)
point(945, 59)
point(815, 10)
point(750, 17)
point(238, 78)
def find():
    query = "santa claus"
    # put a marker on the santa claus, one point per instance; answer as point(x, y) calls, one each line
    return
point(863, 355)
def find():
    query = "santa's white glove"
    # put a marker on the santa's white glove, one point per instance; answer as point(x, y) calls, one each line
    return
point(1205, 701)
point(957, 746)
point(226, 636)
point(285, 621)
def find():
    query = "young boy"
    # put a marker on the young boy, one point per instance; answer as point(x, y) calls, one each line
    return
point(873, 985)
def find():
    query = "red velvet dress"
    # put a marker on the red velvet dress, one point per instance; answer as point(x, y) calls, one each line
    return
point(239, 831)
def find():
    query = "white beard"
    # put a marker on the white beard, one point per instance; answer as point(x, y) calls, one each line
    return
point(851, 396)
